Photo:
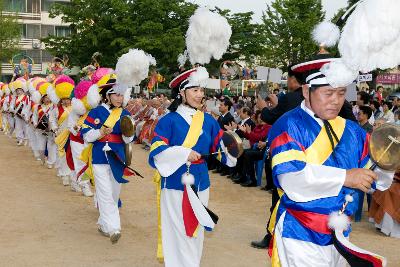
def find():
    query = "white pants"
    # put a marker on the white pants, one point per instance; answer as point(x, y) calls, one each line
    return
point(4, 121)
point(179, 249)
point(139, 127)
point(76, 150)
point(32, 132)
point(107, 196)
point(388, 226)
point(11, 124)
point(63, 169)
point(27, 131)
point(298, 253)
point(42, 141)
point(19, 128)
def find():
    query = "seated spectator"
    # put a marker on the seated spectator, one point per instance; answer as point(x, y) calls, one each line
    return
point(363, 116)
point(385, 208)
point(257, 139)
point(376, 109)
point(397, 117)
point(387, 113)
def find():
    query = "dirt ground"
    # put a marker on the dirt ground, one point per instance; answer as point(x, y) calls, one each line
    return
point(45, 224)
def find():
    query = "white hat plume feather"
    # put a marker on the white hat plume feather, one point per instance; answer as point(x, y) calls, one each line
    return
point(207, 36)
point(326, 34)
point(132, 68)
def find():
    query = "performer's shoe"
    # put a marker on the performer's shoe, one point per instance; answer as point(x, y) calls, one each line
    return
point(26, 143)
point(224, 173)
point(75, 186)
point(65, 180)
point(102, 232)
point(249, 184)
point(49, 166)
point(239, 180)
point(20, 143)
point(86, 190)
point(263, 244)
point(114, 237)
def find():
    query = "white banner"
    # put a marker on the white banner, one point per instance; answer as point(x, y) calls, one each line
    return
point(269, 74)
point(214, 84)
point(364, 77)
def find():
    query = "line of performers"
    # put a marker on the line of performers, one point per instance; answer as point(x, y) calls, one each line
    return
point(75, 129)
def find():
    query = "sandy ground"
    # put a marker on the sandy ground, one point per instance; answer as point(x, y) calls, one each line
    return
point(45, 224)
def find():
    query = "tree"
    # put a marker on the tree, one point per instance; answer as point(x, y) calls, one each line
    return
point(112, 27)
point(10, 34)
point(287, 27)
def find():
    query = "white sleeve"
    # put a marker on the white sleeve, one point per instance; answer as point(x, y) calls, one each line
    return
point(91, 136)
point(385, 179)
point(313, 182)
point(35, 116)
point(171, 159)
point(53, 118)
point(230, 160)
point(72, 120)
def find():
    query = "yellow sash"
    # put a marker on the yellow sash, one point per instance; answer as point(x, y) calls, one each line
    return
point(86, 155)
point(190, 141)
point(64, 116)
point(62, 138)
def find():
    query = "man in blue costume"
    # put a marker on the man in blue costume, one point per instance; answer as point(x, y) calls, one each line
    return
point(318, 158)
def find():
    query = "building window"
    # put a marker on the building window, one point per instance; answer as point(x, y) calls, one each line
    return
point(46, 4)
point(47, 30)
point(32, 31)
point(46, 56)
point(15, 6)
point(33, 6)
point(35, 55)
point(62, 31)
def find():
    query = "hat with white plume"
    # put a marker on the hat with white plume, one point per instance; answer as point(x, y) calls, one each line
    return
point(207, 36)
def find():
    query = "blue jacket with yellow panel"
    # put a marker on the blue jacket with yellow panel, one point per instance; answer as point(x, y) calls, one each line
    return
point(311, 174)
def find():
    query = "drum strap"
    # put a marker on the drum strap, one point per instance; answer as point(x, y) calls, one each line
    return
point(19, 102)
point(86, 155)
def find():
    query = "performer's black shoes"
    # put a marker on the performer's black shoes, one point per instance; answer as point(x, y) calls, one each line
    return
point(114, 237)
point(263, 244)
point(249, 184)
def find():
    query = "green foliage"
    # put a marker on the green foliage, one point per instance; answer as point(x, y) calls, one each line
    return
point(10, 34)
point(112, 27)
point(287, 27)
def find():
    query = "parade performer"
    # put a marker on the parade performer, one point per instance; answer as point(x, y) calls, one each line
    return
point(318, 165)
point(61, 98)
point(180, 138)
point(102, 129)
point(80, 109)
point(28, 115)
point(40, 118)
point(17, 106)
point(4, 125)
point(7, 109)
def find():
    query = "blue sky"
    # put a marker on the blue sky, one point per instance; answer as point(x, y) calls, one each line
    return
point(257, 6)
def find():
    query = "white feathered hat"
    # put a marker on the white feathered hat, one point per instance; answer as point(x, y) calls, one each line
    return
point(370, 40)
point(131, 69)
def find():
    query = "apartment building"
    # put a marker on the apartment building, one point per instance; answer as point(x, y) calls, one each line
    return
point(33, 17)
